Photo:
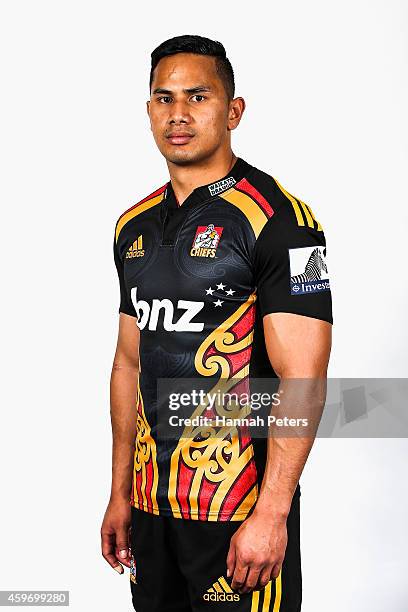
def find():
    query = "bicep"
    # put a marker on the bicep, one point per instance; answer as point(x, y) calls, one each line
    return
point(127, 348)
point(298, 346)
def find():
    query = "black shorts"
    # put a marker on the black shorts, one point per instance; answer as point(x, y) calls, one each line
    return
point(179, 565)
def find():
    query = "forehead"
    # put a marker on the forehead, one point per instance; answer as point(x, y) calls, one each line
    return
point(186, 70)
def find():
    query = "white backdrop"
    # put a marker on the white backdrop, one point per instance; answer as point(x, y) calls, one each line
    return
point(326, 91)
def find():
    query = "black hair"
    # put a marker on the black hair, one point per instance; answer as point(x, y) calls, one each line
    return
point(189, 43)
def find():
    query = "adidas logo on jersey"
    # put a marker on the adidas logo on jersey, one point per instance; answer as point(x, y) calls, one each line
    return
point(206, 240)
point(220, 591)
point(136, 249)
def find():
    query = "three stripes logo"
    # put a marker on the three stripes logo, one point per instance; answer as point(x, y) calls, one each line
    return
point(303, 212)
point(220, 591)
point(136, 249)
point(267, 599)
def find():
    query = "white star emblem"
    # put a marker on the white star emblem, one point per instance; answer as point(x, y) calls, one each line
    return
point(220, 286)
point(218, 302)
point(209, 291)
point(230, 291)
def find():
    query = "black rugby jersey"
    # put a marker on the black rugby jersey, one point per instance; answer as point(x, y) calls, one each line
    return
point(199, 278)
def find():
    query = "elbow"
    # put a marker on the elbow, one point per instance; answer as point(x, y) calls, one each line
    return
point(126, 365)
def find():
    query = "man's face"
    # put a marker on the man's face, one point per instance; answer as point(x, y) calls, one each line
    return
point(190, 116)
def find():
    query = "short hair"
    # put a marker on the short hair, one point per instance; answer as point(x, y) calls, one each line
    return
point(189, 43)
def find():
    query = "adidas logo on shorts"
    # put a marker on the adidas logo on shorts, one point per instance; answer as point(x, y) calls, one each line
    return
point(220, 591)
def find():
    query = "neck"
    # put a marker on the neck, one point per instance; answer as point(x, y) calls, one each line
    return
point(186, 178)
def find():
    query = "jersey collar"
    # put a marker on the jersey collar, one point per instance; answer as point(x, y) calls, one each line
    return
point(211, 190)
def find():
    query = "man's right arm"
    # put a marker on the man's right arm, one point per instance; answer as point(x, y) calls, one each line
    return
point(123, 394)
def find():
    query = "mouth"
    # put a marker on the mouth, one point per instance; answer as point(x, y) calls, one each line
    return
point(180, 139)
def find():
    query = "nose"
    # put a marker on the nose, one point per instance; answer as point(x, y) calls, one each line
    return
point(180, 112)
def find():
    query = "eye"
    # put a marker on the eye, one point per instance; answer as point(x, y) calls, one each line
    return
point(165, 99)
point(199, 96)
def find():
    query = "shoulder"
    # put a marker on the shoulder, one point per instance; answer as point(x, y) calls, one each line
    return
point(141, 206)
point(284, 208)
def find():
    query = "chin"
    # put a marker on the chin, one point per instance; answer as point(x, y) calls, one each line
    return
point(184, 156)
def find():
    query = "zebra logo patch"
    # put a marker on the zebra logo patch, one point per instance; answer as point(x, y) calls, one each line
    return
point(308, 270)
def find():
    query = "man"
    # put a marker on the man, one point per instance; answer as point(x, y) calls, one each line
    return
point(222, 274)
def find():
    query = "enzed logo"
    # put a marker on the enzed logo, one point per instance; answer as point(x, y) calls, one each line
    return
point(308, 269)
point(206, 240)
point(136, 249)
point(149, 314)
point(220, 591)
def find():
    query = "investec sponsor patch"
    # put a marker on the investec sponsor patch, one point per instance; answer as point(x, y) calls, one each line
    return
point(220, 186)
point(308, 270)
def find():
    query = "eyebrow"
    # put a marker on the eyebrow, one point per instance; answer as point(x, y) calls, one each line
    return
point(190, 90)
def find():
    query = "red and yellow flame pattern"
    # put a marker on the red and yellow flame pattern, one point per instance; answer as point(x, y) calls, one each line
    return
point(145, 472)
point(212, 473)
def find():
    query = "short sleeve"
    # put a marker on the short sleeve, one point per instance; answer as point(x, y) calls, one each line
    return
point(290, 268)
point(126, 305)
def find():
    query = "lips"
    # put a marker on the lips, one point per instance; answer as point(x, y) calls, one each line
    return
point(179, 138)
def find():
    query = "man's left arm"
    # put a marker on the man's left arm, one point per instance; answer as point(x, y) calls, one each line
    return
point(294, 303)
point(298, 348)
